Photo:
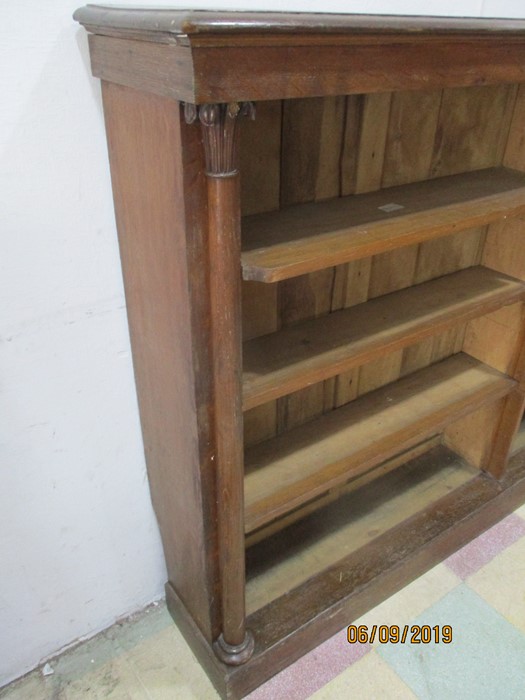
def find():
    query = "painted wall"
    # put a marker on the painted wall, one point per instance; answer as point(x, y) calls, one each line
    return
point(79, 545)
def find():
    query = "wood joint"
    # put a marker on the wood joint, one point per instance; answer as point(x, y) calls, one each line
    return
point(219, 130)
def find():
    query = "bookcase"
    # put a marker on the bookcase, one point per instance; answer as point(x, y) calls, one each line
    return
point(321, 225)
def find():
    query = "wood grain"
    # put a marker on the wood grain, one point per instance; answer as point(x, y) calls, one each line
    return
point(507, 426)
point(325, 603)
point(472, 436)
point(353, 121)
point(225, 321)
point(515, 148)
point(160, 205)
point(442, 256)
point(309, 352)
point(358, 518)
point(159, 69)
point(294, 623)
point(417, 356)
point(392, 270)
point(312, 137)
point(504, 251)
point(504, 248)
point(251, 72)
point(331, 136)
point(302, 123)
point(248, 65)
point(410, 139)
point(260, 157)
point(334, 494)
point(274, 25)
point(472, 129)
point(506, 325)
point(310, 237)
point(372, 140)
point(291, 469)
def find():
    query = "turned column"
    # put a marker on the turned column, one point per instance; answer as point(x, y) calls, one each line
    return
point(219, 131)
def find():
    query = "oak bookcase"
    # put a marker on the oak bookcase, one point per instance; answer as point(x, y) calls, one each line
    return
point(322, 232)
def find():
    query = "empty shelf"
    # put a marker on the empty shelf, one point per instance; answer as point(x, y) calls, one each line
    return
point(286, 471)
point(286, 361)
point(313, 236)
point(354, 521)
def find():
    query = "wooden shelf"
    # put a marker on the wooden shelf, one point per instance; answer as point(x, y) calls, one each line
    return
point(350, 549)
point(313, 236)
point(302, 550)
point(286, 471)
point(283, 362)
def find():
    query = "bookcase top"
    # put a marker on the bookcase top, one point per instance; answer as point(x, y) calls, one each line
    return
point(201, 57)
point(217, 22)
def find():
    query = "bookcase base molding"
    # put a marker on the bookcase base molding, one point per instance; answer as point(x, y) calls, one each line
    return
point(296, 622)
point(321, 221)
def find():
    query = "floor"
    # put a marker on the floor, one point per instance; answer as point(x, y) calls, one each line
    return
point(479, 592)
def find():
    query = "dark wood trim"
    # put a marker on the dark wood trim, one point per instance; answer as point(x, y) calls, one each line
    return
point(220, 135)
point(160, 205)
point(291, 626)
point(254, 73)
point(251, 72)
point(380, 569)
point(226, 329)
point(161, 69)
point(231, 24)
point(217, 672)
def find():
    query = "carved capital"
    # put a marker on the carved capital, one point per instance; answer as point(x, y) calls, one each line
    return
point(219, 130)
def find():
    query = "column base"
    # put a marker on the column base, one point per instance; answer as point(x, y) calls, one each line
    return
point(234, 655)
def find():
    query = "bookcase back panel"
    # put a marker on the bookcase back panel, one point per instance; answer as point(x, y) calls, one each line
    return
point(311, 149)
point(313, 295)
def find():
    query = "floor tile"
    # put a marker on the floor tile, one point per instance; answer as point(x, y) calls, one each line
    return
point(312, 671)
point(96, 668)
point(412, 600)
point(85, 658)
point(370, 678)
point(484, 661)
point(502, 584)
point(31, 686)
point(167, 669)
point(130, 633)
point(521, 511)
point(484, 548)
point(114, 680)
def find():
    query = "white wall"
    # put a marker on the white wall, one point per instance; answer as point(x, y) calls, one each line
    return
point(79, 545)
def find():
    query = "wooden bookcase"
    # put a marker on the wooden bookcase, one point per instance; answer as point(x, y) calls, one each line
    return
point(322, 232)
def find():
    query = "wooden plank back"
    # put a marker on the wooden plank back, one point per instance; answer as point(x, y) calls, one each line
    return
point(408, 151)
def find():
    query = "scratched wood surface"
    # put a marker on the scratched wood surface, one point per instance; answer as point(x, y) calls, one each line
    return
point(307, 150)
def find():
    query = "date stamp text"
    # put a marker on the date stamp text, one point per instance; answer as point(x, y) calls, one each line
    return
point(394, 634)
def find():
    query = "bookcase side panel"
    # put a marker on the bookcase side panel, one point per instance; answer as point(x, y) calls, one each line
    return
point(161, 210)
